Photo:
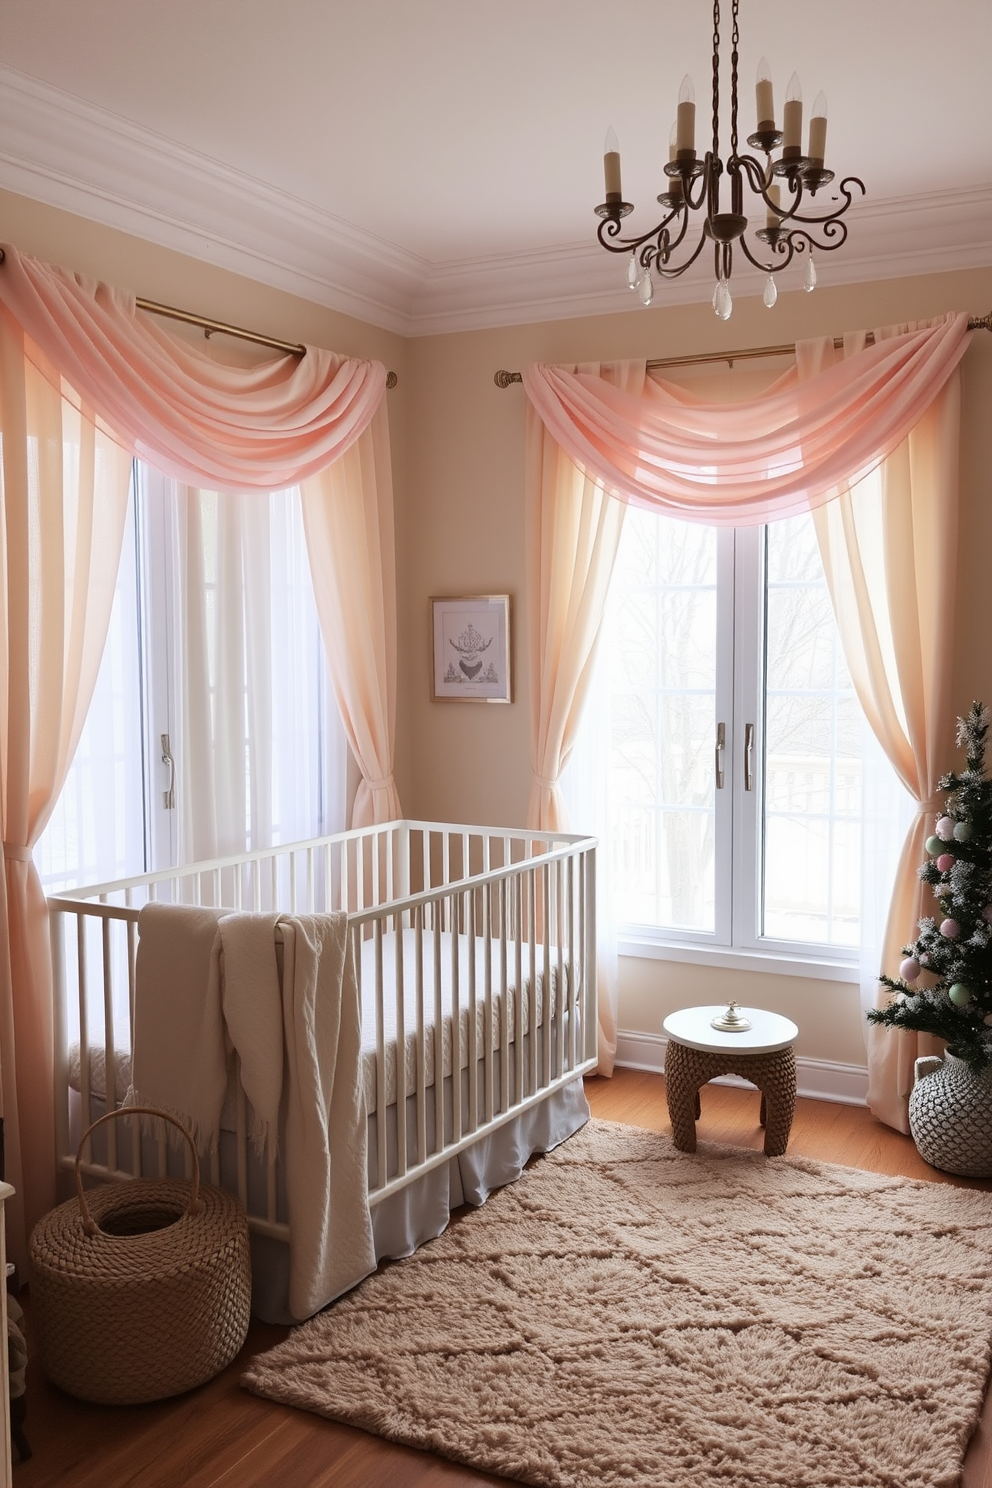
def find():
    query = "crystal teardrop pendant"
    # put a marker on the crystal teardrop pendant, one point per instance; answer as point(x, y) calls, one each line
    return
point(770, 294)
point(722, 303)
point(645, 289)
point(633, 272)
point(809, 274)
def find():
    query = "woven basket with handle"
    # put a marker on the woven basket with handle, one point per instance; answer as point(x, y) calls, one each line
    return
point(140, 1289)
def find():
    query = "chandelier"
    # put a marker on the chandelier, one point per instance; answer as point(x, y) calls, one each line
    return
point(781, 188)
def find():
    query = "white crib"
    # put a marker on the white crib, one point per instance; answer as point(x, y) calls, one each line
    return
point(478, 943)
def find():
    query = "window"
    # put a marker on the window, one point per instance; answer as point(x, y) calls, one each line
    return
point(213, 680)
point(734, 768)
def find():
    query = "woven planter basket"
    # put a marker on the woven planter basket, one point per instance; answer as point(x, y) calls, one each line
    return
point(140, 1290)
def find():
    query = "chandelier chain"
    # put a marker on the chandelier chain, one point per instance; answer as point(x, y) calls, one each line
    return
point(716, 77)
point(734, 41)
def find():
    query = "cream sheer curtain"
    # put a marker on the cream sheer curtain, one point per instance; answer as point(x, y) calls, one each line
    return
point(64, 501)
point(889, 549)
point(573, 530)
point(249, 665)
point(348, 516)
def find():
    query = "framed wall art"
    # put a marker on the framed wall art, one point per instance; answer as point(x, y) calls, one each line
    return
point(470, 649)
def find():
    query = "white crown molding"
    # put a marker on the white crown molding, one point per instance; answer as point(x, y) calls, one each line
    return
point(816, 1079)
point(60, 150)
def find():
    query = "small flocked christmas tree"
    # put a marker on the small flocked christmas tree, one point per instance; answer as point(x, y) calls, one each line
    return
point(945, 983)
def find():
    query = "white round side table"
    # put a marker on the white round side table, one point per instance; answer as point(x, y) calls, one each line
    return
point(762, 1054)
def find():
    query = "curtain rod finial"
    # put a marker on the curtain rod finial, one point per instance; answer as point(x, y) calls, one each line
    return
point(503, 379)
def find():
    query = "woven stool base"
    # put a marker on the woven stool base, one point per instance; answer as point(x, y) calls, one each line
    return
point(774, 1074)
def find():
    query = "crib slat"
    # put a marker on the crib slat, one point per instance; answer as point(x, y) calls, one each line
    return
point(504, 1006)
point(518, 1002)
point(473, 1020)
point(559, 983)
point(84, 1040)
point(546, 970)
point(381, 1093)
point(438, 1036)
point(401, 1080)
point(421, 1039)
point(456, 1035)
point(532, 948)
point(109, 1060)
point(487, 1005)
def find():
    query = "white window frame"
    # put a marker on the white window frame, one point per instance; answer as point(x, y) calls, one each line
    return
point(736, 941)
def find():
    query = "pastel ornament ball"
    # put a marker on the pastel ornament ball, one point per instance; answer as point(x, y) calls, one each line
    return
point(945, 828)
point(950, 929)
point(934, 846)
point(962, 831)
point(909, 969)
point(960, 995)
point(946, 862)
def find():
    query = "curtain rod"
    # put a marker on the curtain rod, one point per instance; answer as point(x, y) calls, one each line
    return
point(220, 327)
point(504, 379)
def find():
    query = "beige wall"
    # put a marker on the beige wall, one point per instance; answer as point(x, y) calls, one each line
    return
point(464, 533)
point(458, 461)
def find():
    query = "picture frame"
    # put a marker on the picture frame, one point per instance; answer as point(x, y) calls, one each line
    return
point(470, 648)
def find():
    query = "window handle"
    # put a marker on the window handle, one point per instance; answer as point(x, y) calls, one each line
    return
point(749, 756)
point(169, 796)
point(721, 744)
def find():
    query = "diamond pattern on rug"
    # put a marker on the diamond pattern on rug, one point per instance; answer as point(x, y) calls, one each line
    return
point(631, 1316)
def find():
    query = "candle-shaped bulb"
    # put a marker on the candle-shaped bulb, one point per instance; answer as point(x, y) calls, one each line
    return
point(763, 95)
point(611, 166)
point(774, 195)
point(818, 130)
point(793, 116)
point(674, 182)
point(685, 137)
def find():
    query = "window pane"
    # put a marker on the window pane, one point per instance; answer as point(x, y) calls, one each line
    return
point(812, 826)
point(661, 640)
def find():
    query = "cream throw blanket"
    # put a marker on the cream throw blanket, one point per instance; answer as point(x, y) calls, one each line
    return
point(298, 1039)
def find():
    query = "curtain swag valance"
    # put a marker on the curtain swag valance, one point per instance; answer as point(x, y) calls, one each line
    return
point(740, 464)
point(231, 428)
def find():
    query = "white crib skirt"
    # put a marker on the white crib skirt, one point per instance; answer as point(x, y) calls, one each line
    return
point(421, 1210)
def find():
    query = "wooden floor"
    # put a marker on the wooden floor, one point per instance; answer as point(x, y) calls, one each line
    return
point(221, 1437)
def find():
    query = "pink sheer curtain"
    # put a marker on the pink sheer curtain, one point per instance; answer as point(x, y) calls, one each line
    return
point(259, 428)
point(733, 464)
point(79, 357)
point(741, 464)
point(63, 499)
point(889, 551)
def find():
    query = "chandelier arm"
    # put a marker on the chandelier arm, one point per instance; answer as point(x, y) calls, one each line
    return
point(611, 227)
point(795, 216)
point(783, 248)
point(703, 178)
point(668, 273)
point(832, 229)
point(666, 244)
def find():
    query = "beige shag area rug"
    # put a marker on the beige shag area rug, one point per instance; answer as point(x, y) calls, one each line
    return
point(629, 1316)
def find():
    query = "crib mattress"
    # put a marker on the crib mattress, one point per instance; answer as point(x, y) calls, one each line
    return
point(448, 958)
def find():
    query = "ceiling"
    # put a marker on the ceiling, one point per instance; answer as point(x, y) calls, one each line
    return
point(432, 165)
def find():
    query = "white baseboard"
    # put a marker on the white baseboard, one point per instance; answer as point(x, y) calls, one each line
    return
point(819, 1079)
